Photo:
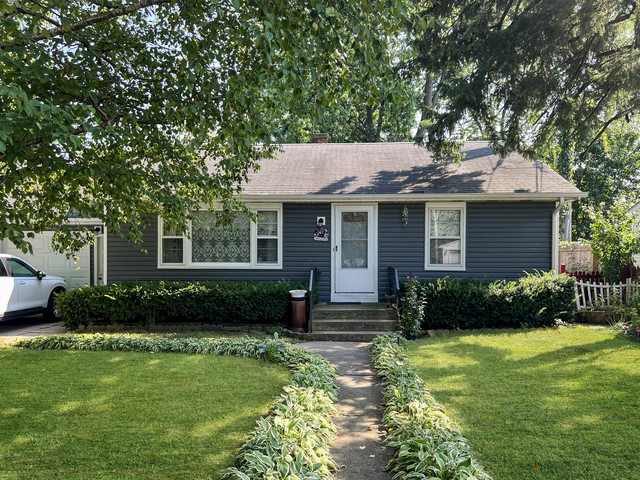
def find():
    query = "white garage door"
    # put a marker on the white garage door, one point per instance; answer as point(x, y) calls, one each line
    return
point(76, 273)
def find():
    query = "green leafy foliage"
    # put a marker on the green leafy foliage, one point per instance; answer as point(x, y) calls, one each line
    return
point(157, 302)
point(613, 239)
point(121, 110)
point(609, 172)
point(371, 109)
point(628, 316)
point(534, 300)
point(428, 444)
point(293, 441)
point(412, 307)
point(525, 71)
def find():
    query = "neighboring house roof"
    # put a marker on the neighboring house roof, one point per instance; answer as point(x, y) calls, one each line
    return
point(401, 169)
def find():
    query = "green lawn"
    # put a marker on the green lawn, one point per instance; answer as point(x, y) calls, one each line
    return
point(124, 415)
point(541, 404)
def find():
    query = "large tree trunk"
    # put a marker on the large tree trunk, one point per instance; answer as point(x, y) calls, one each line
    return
point(369, 129)
point(380, 118)
point(427, 104)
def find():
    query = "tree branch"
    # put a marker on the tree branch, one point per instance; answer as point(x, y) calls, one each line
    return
point(623, 16)
point(41, 16)
point(498, 25)
point(594, 110)
point(87, 22)
point(614, 50)
point(606, 125)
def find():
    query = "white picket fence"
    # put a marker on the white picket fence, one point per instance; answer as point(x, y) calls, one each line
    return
point(590, 295)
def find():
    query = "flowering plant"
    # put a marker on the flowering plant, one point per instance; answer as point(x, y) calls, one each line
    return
point(412, 307)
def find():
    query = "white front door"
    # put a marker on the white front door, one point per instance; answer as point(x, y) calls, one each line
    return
point(354, 255)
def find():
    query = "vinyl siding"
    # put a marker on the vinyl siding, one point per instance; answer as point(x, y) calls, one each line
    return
point(300, 254)
point(502, 240)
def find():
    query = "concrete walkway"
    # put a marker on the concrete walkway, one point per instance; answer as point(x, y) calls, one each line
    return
point(11, 330)
point(359, 450)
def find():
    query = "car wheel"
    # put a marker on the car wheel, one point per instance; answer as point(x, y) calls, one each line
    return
point(51, 313)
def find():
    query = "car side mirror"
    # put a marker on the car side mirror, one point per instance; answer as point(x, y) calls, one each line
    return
point(40, 275)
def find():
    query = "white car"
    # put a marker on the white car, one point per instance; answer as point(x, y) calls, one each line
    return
point(26, 291)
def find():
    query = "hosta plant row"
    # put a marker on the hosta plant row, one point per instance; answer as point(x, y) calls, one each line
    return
point(428, 443)
point(293, 441)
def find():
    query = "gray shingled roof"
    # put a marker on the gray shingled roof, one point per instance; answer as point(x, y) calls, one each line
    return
point(399, 168)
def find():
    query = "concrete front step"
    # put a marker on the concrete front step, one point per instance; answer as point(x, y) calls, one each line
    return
point(352, 322)
point(364, 311)
point(364, 336)
point(353, 325)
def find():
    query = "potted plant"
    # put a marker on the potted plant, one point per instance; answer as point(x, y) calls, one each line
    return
point(594, 315)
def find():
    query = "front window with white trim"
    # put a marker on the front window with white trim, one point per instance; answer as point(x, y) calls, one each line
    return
point(172, 246)
point(243, 244)
point(267, 237)
point(445, 236)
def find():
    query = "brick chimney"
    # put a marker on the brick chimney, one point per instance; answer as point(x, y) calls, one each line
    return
point(320, 138)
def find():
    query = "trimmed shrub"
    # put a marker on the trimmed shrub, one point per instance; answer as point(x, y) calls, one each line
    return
point(534, 300)
point(158, 302)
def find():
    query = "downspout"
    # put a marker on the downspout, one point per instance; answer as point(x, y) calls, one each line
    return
point(105, 258)
point(555, 232)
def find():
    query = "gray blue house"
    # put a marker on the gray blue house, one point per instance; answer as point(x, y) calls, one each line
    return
point(354, 210)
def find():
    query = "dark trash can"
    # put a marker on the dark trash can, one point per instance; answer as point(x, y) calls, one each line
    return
point(298, 309)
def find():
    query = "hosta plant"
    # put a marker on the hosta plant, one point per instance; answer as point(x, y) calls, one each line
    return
point(428, 443)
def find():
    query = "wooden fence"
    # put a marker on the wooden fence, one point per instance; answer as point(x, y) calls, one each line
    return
point(591, 277)
point(577, 258)
point(627, 272)
point(595, 295)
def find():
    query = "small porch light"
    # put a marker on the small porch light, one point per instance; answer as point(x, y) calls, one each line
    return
point(405, 215)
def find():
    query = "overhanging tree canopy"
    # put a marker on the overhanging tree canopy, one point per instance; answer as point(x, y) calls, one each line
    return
point(528, 69)
point(109, 108)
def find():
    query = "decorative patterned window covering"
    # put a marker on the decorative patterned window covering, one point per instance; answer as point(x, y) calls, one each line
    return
point(211, 243)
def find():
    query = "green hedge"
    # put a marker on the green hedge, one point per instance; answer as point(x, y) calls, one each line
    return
point(158, 302)
point(534, 300)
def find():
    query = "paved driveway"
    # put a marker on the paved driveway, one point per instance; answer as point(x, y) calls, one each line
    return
point(28, 327)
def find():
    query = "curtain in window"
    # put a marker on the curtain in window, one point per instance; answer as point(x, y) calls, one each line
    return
point(212, 243)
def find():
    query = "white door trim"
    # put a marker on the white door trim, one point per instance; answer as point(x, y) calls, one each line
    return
point(365, 297)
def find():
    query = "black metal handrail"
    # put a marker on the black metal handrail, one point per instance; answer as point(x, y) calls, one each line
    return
point(394, 284)
point(314, 273)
